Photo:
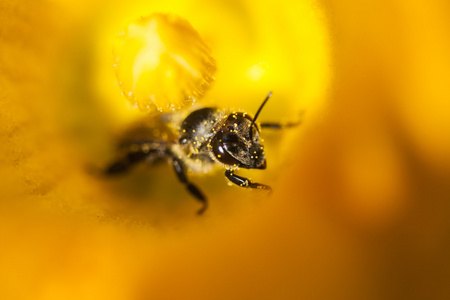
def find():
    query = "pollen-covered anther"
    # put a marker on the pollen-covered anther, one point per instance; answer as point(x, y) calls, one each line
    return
point(162, 63)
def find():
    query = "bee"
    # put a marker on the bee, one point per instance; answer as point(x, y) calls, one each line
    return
point(205, 139)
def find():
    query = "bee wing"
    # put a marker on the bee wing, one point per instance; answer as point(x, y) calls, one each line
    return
point(153, 132)
point(145, 145)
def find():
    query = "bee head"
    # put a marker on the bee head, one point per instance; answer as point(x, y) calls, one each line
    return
point(238, 142)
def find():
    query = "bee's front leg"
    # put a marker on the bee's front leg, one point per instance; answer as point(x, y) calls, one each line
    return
point(245, 182)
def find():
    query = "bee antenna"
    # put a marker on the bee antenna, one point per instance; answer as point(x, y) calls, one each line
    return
point(257, 114)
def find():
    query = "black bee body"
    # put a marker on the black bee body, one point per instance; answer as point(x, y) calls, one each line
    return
point(195, 133)
point(207, 138)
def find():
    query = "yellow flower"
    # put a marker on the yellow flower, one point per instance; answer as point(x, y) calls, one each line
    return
point(360, 204)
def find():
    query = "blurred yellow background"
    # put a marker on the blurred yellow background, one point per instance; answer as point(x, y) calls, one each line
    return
point(361, 202)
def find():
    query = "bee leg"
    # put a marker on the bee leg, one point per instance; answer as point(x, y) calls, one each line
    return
point(195, 191)
point(245, 182)
point(125, 163)
point(279, 125)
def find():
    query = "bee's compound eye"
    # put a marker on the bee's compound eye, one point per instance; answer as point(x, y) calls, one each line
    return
point(230, 139)
point(219, 148)
point(255, 132)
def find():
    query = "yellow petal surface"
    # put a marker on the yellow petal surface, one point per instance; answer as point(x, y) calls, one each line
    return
point(360, 208)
